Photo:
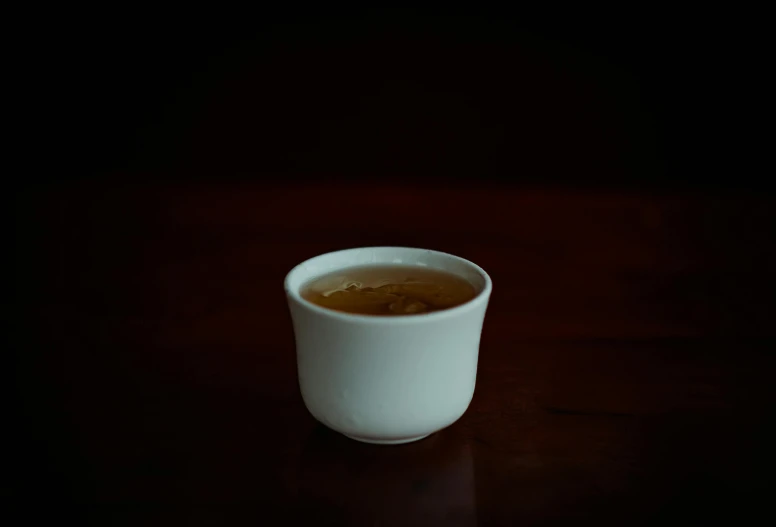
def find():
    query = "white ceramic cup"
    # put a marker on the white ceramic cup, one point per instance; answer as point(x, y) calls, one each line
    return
point(387, 379)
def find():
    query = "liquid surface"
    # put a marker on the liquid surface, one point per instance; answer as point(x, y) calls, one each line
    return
point(388, 290)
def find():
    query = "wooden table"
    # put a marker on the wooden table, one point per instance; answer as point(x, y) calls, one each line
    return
point(624, 375)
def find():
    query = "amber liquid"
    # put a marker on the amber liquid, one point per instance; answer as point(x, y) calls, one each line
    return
point(389, 290)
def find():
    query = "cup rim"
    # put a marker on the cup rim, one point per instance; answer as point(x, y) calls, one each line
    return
point(420, 318)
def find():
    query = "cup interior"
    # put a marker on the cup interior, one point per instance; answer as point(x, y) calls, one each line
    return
point(330, 262)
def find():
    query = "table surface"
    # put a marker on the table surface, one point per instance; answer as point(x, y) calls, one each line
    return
point(624, 367)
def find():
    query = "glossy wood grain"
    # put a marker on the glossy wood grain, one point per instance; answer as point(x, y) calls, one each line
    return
point(624, 375)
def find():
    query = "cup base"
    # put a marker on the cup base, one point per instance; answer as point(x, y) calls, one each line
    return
point(387, 441)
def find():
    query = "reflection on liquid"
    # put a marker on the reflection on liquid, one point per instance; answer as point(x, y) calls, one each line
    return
point(430, 482)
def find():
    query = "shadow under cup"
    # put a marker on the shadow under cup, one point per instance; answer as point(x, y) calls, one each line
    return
point(387, 379)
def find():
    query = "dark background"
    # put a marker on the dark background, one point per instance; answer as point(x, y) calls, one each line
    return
point(622, 97)
point(129, 97)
